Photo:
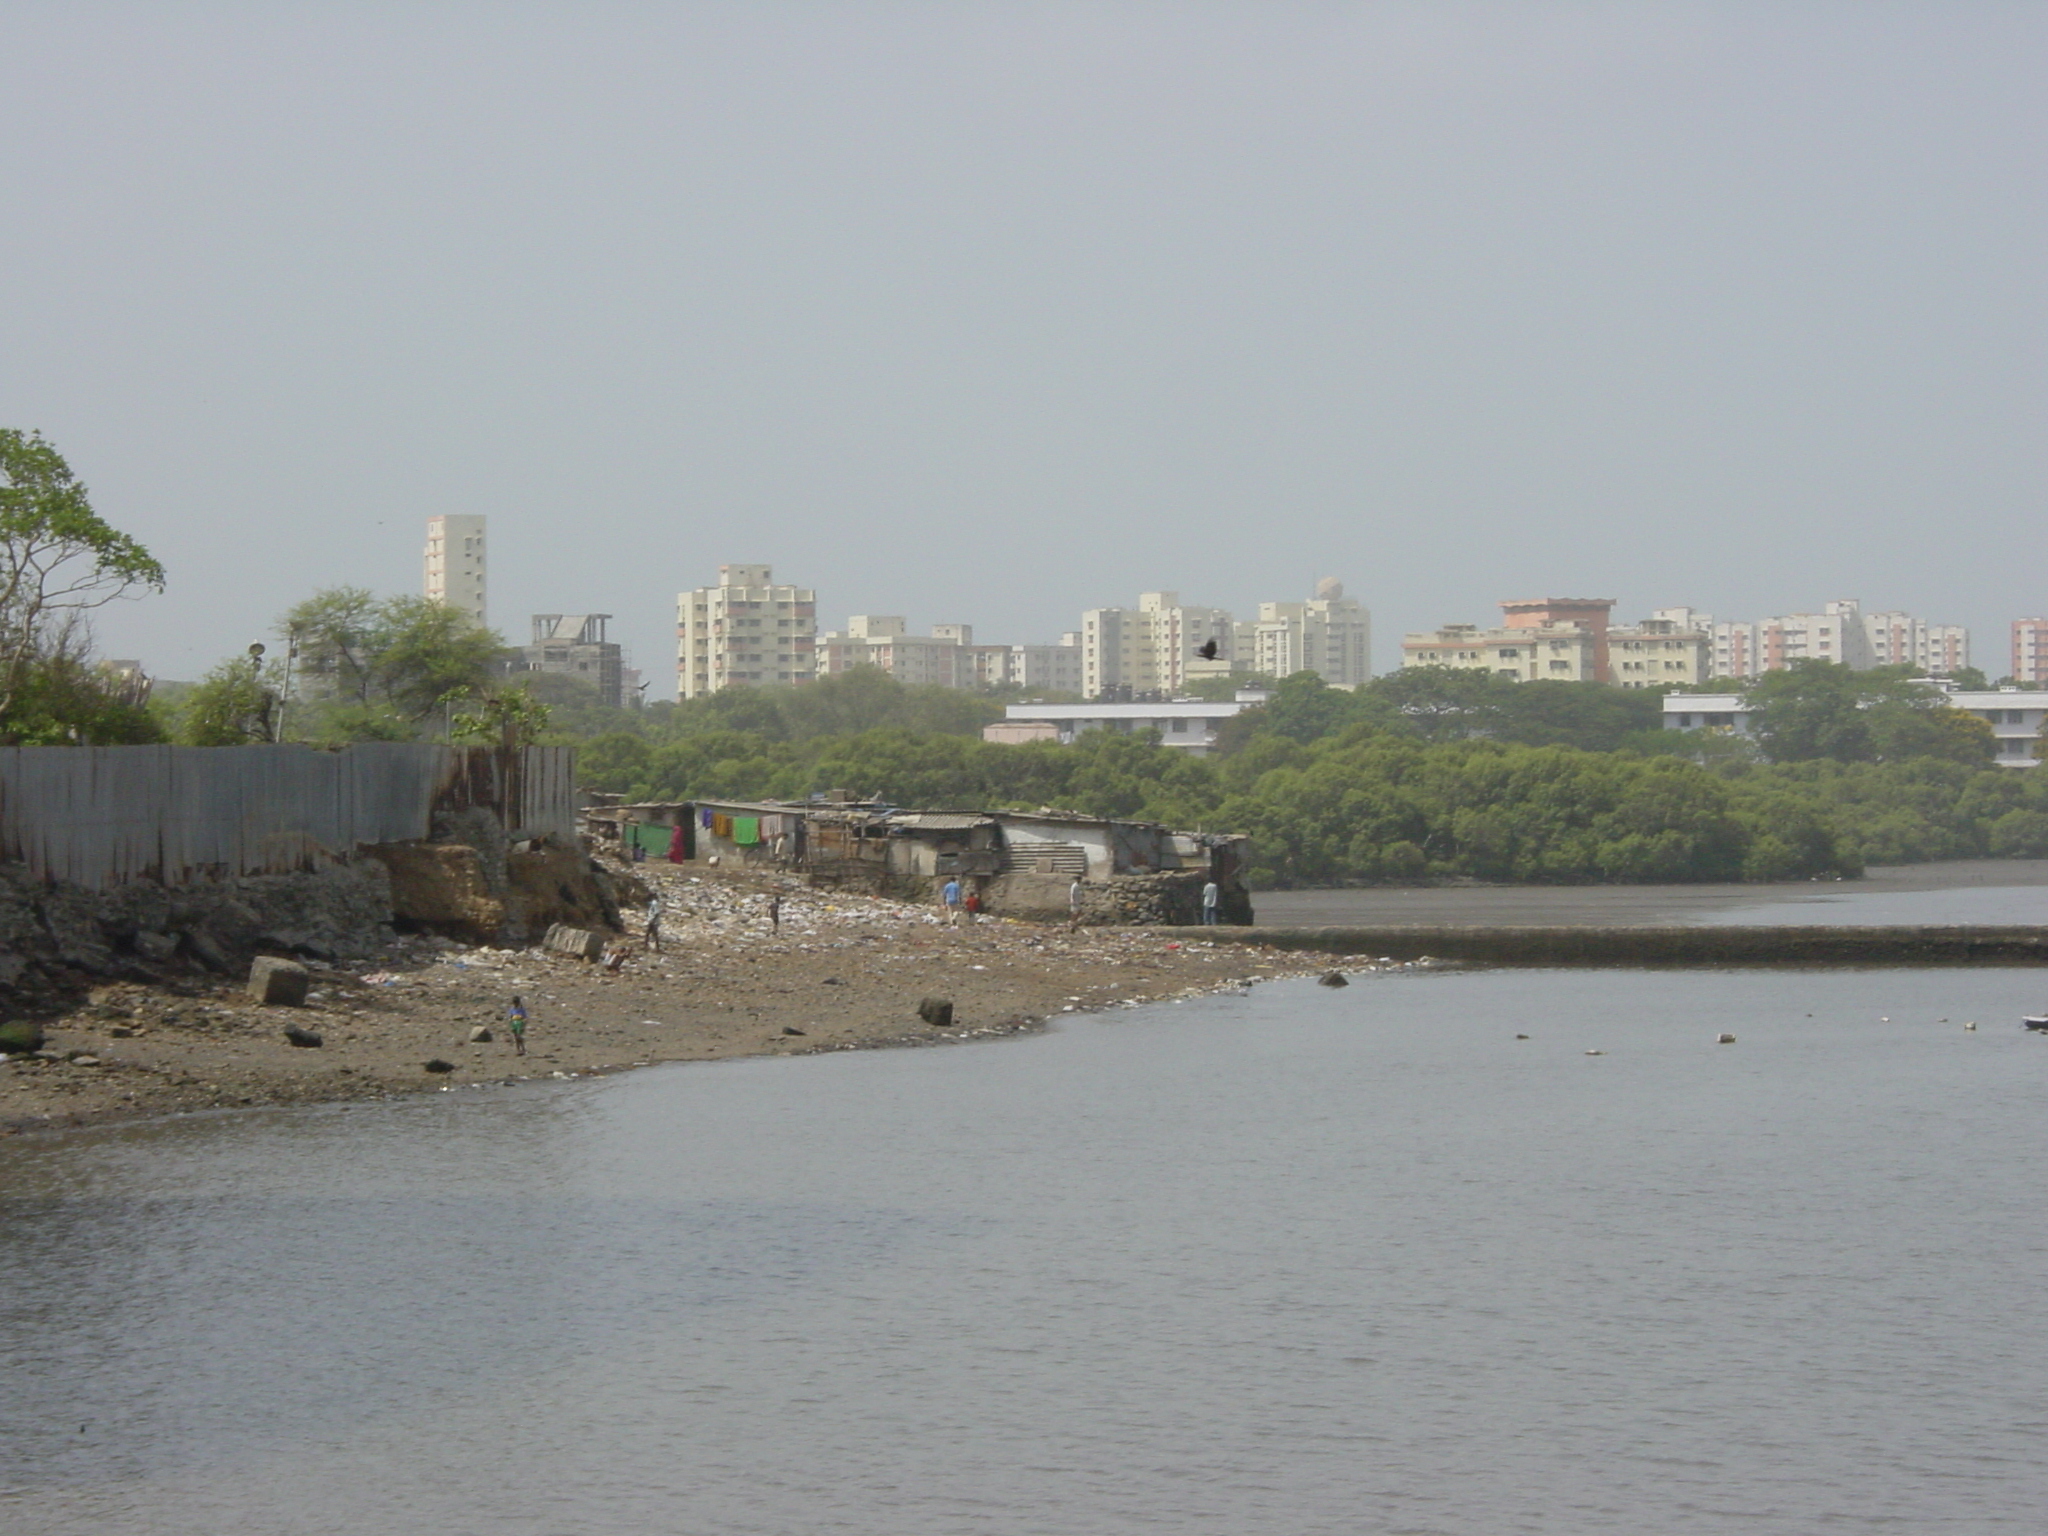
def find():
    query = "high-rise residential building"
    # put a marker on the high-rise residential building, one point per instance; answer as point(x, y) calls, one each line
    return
point(574, 645)
point(1154, 648)
point(1329, 635)
point(2030, 651)
point(746, 630)
point(455, 568)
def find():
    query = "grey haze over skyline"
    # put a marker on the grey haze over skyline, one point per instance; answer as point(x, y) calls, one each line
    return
point(994, 313)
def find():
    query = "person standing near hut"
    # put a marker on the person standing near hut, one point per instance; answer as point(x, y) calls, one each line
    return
point(653, 940)
point(1212, 897)
point(1074, 898)
point(775, 912)
point(949, 900)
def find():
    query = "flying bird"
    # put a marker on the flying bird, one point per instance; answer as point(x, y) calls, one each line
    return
point(1206, 650)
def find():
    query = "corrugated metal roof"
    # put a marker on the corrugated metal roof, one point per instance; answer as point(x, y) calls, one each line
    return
point(941, 821)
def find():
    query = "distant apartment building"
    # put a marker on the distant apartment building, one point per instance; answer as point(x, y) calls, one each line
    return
point(746, 631)
point(1153, 649)
point(2030, 651)
point(574, 645)
point(1562, 653)
point(1899, 639)
point(1841, 633)
point(1542, 639)
point(1329, 635)
point(1660, 652)
point(948, 657)
point(1570, 640)
point(884, 641)
point(455, 569)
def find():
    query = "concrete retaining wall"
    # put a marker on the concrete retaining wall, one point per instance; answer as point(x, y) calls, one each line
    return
point(1673, 946)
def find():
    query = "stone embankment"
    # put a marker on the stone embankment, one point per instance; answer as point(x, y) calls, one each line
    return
point(1701, 945)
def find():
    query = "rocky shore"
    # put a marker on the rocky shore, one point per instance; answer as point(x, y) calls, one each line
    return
point(839, 973)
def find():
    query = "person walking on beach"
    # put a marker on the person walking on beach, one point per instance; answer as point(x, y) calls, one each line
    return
point(515, 1021)
point(1074, 895)
point(1212, 897)
point(949, 900)
point(654, 922)
point(775, 912)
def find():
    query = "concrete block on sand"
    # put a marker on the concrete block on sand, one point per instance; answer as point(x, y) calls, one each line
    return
point(280, 982)
point(937, 1012)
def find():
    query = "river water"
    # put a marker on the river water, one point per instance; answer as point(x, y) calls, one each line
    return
point(1300, 1261)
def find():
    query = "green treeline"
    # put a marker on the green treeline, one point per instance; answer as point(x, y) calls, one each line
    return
point(1418, 776)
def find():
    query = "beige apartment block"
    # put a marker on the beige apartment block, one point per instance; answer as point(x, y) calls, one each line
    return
point(1153, 648)
point(884, 641)
point(1566, 653)
point(455, 569)
point(745, 631)
point(948, 657)
point(1329, 635)
point(1658, 652)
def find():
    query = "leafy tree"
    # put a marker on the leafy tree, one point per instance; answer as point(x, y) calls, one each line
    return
point(1902, 729)
point(234, 704)
point(69, 699)
point(58, 561)
point(499, 717)
point(379, 668)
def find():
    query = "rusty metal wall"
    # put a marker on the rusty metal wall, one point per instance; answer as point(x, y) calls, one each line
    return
point(101, 816)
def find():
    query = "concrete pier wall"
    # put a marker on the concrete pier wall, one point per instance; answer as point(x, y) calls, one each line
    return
point(1671, 946)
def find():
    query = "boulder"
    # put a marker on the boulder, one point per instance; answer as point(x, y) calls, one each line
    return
point(581, 942)
point(438, 1065)
point(212, 954)
point(481, 1035)
point(936, 1011)
point(280, 982)
point(20, 1035)
point(158, 947)
point(1333, 979)
point(303, 1038)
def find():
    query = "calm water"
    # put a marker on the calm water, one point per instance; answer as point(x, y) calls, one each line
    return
point(1299, 1262)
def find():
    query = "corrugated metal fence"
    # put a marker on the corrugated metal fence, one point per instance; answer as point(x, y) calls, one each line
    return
point(100, 816)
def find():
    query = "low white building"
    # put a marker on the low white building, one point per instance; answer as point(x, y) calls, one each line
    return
point(1707, 712)
point(1187, 724)
point(2014, 715)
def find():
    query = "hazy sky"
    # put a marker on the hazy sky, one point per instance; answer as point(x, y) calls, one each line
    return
point(997, 312)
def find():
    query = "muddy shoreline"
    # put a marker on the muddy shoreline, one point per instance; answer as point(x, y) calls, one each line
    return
point(840, 973)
